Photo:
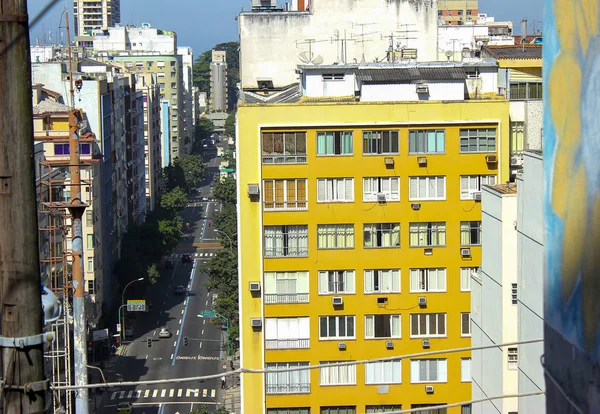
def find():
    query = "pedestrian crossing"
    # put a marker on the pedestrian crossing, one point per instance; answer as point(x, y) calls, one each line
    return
point(164, 393)
point(178, 255)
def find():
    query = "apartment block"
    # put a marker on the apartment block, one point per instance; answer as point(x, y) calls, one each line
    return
point(218, 98)
point(458, 12)
point(359, 225)
point(187, 95)
point(90, 15)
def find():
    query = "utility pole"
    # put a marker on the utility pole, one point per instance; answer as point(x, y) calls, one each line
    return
point(22, 366)
point(77, 208)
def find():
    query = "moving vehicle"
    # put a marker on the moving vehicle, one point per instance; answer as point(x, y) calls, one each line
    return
point(186, 258)
point(179, 290)
point(124, 408)
point(164, 333)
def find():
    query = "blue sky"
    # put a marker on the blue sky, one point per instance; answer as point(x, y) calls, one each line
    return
point(202, 23)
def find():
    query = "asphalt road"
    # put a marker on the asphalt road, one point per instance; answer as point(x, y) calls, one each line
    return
point(167, 358)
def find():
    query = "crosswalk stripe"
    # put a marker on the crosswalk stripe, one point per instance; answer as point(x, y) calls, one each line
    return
point(187, 392)
point(171, 392)
point(204, 392)
point(129, 394)
point(195, 392)
point(179, 391)
point(121, 394)
point(163, 393)
point(147, 393)
point(213, 392)
point(114, 395)
point(154, 394)
point(138, 393)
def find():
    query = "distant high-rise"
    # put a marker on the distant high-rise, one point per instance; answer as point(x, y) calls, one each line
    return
point(218, 81)
point(95, 14)
point(458, 12)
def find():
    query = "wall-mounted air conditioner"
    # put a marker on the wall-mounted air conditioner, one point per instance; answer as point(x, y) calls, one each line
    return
point(422, 301)
point(253, 189)
point(388, 161)
point(422, 161)
point(342, 346)
point(389, 344)
point(477, 196)
point(256, 322)
point(429, 389)
point(337, 301)
point(425, 343)
point(491, 159)
point(422, 88)
point(466, 252)
point(381, 197)
point(254, 286)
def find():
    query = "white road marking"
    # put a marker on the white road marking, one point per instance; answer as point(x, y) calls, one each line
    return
point(185, 302)
point(182, 311)
point(213, 392)
point(121, 394)
point(202, 331)
point(138, 393)
point(174, 343)
point(179, 321)
point(129, 394)
point(171, 356)
point(207, 302)
point(163, 393)
point(113, 395)
point(147, 393)
point(207, 293)
point(179, 391)
point(204, 392)
point(171, 392)
point(200, 344)
point(177, 332)
point(154, 333)
point(146, 356)
point(154, 393)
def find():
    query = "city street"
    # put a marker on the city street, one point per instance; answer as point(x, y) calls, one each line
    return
point(206, 351)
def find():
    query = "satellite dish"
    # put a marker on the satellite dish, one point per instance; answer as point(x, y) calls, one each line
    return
point(479, 44)
point(449, 54)
point(304, 57)
point(317, 60)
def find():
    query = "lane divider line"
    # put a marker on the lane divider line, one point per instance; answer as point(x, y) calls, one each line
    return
point(182, 320)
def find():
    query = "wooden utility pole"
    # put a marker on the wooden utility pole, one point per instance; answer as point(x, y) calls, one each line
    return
point(22, 367)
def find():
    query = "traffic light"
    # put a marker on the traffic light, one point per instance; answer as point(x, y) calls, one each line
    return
point(186, 341)
point(149, 341)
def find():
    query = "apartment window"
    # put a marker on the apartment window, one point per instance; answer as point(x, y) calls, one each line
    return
point(382, 281)
point(90, 265)
point(478, 140)
point(427, 234)
point(338, 374)
point(287, 194)
point(389, 186)
point(427, 142)
point(89, 218)
point(465, 324)
point(386, 408)
point(470, 233)
point(514, 294)
point(470, 184)
point(380, 142)
point(427, 280)
point(288, 382)
point(465, 369)
point(382, 235)
point(284, 147)
point(517, 137)
point(513, 358)
point(339, 410)
point(382, 326)
point(286, 241)
point(427, 188)
point(430, 410)
point(160, 74)
point(384, 372)
point(90, 241)
point(286, 287)
point(332, 76)
point(465, 278)
point(426, 325)
point(61, 149)
point(90, 287)
point(335, 236)
point(287, 333)
point(85, 149)
point(304, 410)
point(466, 409)
point(336, 282)
point(335, 190)
point(336, 327)
point(526, 91)
point(335, 143)
point(428, 370)
point(173, 85)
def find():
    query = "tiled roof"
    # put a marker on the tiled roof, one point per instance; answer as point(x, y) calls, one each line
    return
point(508, 188)
point(410, 74)
point(48, 105)
point(328, 99)
point(514, 52)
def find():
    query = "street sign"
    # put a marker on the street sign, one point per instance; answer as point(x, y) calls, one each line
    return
point(118, 327)
point(207, 314)
point(136, 306)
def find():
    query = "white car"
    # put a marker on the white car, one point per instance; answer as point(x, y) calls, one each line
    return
point(164, 333)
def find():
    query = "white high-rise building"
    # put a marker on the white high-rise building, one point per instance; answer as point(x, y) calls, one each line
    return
point(95, 14)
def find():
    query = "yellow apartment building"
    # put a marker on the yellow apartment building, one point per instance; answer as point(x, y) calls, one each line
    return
point(359, 226)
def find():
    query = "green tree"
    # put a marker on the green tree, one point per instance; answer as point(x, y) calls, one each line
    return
point(193, 168)
point(230, 125)
point(225, 191)
point(174, 176)
point(222, 273)
point(204, 128)
point(171, 231)
point(226, 221)
point(153, 274)
point(173, 201)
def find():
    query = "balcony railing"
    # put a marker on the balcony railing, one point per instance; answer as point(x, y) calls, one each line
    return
point(286, 205)
point(284, 159)
point(286, 298)
point(287, 343)
point(288, 388)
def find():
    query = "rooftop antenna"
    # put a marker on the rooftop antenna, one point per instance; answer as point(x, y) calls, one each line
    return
point(362, 36)
point(523, 32)
point(308, 57)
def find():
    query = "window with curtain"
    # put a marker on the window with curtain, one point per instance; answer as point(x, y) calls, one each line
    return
point(288, 382)
point(336, 327)
point(335, 236)
point(465, 278)
point(385, 408)
point(465, 324)
point(427, 325)
point(427, 142)
point(288, 194)
point(90, 265)
point(470, 233)
point(90, 241)
point(89, 218)
point(286, 287)
point(465, 370)
point(478, 140)
point(384, 372)
point(61, 149)
point(390, 186)
point(470, 184)
point(335, 143)
point(466, 409)
point(284, 147)
point(380, 142)
point(337, 375)
point(382, 326)
point(381, 235)
point(303, 410)
point(428, 370)
point(382, 281)
point(286, 241)
point(339, 410)
point(517, 137)
point(287, 333)
point(336, 282)
point(427, 188)
point(427, 280)
point(427, 234)
point(335, 190)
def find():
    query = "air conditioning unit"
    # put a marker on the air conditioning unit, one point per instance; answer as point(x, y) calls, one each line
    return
point(477, 196)
point(388, 161)
point(422, 89)
point(428, 251)
point(256, 322)
point(425, 343)
point(465, 252)
point(389, 344)
point(342, 346)
point(415, 206)
point(491, 159)
point(254, 286)
point(422, 161)
point(429, 389)
point(381, 197)
point(253, 189)
point(422, 301)
point(337, 301)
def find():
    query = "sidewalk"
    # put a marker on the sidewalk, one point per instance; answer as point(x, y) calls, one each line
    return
point(232, 400)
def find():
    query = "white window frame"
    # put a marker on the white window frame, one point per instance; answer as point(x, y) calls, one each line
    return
point(301, 386)
point(337, 375)
point(393, 319)
point(470, 184)
point(514, 293)
point(297, 233)
point(383, 372)
point(441, 370)
point(427, 280)
point(467, 227)
point(414, 191)
point(337, 136)
point(337, 321)
point(479, 135)
point(465, 321)
point(465, 370)
point(512, 358)
point(428, 316)
point(380, 231)
point(465, 278)
point(379, 136)
point(335, 232)
point(287, 333)
point(416, 135)
point(331, 280)
point(372, 186)
point(426, 232)
point(286, 205)
point(388, 281)
point(286, 287)
point(335, 190)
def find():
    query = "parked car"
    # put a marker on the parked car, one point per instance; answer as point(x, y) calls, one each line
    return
point(124, 408)
point(164, 333)
point(186, 258)
point(179, 290)
point(168, 264)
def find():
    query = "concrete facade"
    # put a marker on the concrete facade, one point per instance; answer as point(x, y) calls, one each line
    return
point(95, 14)
point(136, 39)
point(458, 12)
point(187, 95)
point(218, 98)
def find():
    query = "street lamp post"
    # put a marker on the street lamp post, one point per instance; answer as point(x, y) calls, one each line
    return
point(123, 304)
point(226, 235)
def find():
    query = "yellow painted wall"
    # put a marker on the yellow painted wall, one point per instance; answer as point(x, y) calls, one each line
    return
point(402, 116)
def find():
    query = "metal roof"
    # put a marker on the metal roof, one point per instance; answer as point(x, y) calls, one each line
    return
point(514, 52)
point(411, 74)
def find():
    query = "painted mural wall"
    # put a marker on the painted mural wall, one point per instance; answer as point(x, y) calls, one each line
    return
point(571, 71)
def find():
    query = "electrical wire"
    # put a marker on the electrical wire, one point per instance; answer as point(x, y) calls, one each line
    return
point(304, 368)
